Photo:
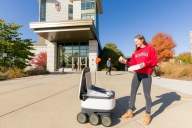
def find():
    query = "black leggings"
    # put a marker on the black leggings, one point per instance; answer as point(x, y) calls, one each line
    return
point(146, 80)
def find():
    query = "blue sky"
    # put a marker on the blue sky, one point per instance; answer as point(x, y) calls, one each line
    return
point(121, 20)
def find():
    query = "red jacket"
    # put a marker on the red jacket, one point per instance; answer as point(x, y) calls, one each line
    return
point(148, 56)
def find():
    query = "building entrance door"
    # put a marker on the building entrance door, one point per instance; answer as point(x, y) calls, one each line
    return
point(83, 62)
point(78, 63)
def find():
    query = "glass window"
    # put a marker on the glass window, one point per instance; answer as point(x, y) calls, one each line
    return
point(83, 50)
point(88, 48)
point(68, 50)
point(88, 16)
point(83, 5)
point(70, 18)
point(60, 55)
point(76, 47)
point(87, 4)
point(92, 4)
point(68, 46)
point(83, 47)
point(83, 16)
point(83, 54)
point(70, 9)
point(43, 11)
point(61, 49)
point(68, 60)
point(75, 52)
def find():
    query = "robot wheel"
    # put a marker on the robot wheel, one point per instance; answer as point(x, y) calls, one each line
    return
point(82, 117)
point(106, 121)
point(94, 119)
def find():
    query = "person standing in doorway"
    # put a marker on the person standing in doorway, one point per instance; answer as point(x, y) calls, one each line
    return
point(146, 56)
point(109, 66)
point(63, 64)
point(76, 65)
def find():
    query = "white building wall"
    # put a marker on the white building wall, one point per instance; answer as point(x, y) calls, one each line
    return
point(51, 56)
point(39, 49)
point(93, 54)
point(77, 9)
point(52, 14)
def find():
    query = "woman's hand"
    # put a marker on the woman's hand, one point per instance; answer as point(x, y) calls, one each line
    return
point(142, 65)
point(123, 60)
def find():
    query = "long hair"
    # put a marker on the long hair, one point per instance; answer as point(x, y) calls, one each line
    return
point(140, 37)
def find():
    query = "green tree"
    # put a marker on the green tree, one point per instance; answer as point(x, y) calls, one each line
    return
point(110, 50)
point(17, 49)
point(184, 57)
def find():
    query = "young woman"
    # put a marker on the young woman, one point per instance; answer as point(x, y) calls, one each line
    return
point(146, 56)
point(63, 64)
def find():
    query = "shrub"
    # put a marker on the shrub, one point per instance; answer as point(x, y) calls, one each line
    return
point(2, 77)
point(184, 57)
point(175, 70)
point(40, 60)
point(166, 68)
point(36, 71)
point(159, 71)
point(17, 73)
point(14, 73)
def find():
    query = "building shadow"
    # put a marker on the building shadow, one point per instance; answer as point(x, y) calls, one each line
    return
point(165, 99)
point(65, 73)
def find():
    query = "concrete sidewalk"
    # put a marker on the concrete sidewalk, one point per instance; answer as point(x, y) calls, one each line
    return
point(51, 101)
point(176, 85)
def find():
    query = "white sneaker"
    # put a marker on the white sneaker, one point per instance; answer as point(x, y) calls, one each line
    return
point(158, 77)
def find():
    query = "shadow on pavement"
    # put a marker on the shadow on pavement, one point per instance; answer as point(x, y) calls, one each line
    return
point(118, 74)
point(58, 73)
point(123, 102)
point(164, 99)
point(115, 119)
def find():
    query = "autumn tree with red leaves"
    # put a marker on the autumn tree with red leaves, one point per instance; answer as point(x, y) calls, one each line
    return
point(40, 60)
point(164, 45)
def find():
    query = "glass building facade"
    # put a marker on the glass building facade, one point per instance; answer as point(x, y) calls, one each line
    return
point(43, 11)
point(72, 51)
point(88, 5)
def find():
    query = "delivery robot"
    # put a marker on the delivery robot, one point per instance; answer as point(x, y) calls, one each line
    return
point(97, 104)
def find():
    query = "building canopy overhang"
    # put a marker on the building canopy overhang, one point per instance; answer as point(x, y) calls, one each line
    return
point(66, 31)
